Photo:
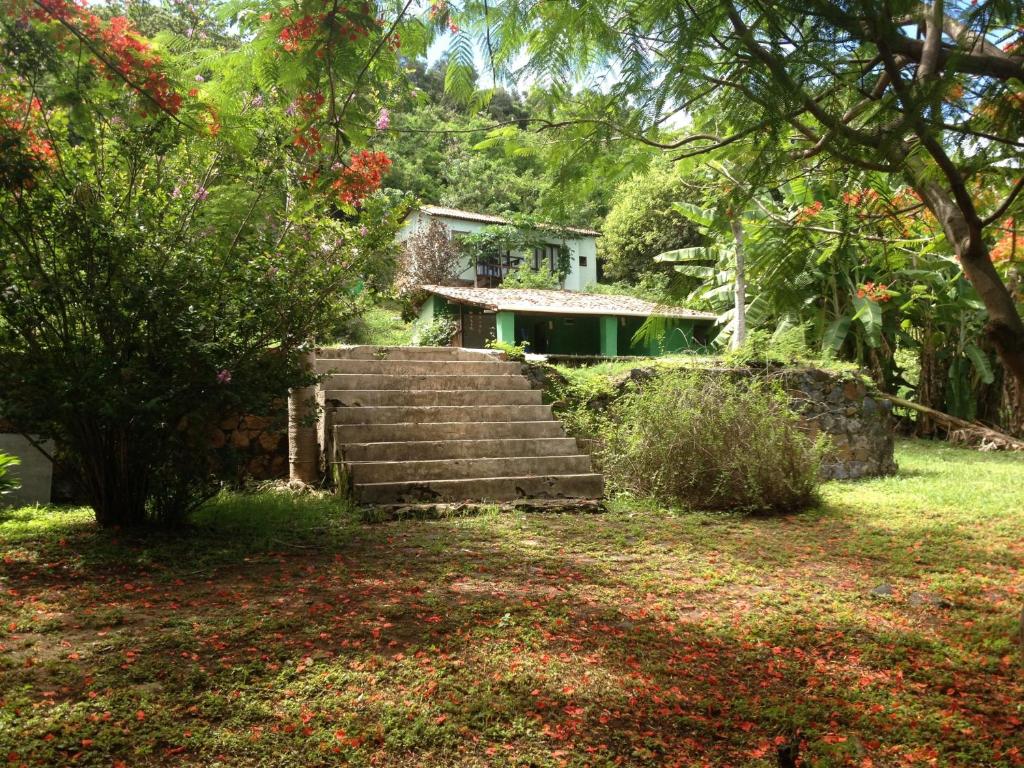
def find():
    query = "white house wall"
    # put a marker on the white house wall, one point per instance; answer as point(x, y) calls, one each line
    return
point(577, 279)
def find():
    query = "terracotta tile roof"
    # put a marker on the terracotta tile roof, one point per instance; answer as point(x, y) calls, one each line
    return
point(486, 218)
point(562, 302)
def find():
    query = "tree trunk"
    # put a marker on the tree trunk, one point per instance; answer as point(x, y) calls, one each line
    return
point(1004, 326)
point(931, 385)
point(740, 333)
point(114, 481)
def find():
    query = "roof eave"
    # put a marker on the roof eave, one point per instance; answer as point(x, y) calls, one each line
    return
point(486, 218)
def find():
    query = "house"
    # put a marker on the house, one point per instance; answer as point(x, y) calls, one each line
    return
point(564, 322)
point(554, 322)
point(581, 244)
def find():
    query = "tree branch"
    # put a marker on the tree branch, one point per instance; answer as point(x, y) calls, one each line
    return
point(957, 60)
point(1005, 205)
point(928, 68)
point(110, 65)
point(782, 77)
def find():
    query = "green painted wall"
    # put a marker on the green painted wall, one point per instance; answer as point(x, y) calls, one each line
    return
point(560, 335)
point(506, 327)
point(432, 306)
point(679, 337)
point(609, 336)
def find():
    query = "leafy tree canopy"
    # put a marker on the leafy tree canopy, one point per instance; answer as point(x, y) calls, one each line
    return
point(496, 153)
point(644, 222)
point(928, 93)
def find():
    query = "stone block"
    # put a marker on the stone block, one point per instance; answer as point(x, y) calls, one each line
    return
point(255, 422)
point(854, 390)
point(269, 441)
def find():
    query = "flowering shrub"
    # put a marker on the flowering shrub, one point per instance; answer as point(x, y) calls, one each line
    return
point(333, 44)
point(119, 52)
point(361, 176)
point(858, 197)
point(187, 265)
point(1010, 245)
point(809, 212)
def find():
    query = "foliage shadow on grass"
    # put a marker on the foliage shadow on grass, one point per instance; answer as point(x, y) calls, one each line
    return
point(516, 618)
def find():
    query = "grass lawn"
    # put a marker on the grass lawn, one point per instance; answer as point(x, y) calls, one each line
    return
point(285, 632)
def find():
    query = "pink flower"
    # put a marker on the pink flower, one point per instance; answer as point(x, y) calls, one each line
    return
point(176, 192)
point(363, 231)
point(200, 79)
point(383, 120)
point(224, 376)
point(201, 194)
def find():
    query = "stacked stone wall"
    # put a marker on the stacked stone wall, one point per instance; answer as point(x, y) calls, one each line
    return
point(859, 424)
point(251, 446)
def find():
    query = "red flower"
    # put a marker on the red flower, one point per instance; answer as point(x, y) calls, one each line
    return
point(810, 211)
point(361, 177)
point(1010, 244)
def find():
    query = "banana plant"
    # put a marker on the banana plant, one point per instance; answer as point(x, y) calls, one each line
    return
point(718, 268)
point(8, 483)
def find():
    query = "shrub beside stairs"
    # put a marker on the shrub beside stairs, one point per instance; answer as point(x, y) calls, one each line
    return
point(407, 425)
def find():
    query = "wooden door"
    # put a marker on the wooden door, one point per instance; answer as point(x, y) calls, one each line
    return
point(478, 329)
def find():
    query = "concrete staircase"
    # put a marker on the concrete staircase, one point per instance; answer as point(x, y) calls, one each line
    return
point(443, 424)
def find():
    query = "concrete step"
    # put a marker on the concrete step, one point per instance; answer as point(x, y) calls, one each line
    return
point(354, 397)
point(370, 352)
point(363, 472)
point(456, 430)
point(365, 381)
point(582, 486)
point(420, 367)
point(432, 414)
point(460, 449)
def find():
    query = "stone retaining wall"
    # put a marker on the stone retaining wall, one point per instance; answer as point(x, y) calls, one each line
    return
point(252, 447)
point(859, 424)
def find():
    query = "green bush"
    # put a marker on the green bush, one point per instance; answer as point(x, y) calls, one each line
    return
point(516, 353)
point(525, 276)
point(380, 325)
point(707, 442)
point(7, 483)
point(437, 333)
point(169, 298)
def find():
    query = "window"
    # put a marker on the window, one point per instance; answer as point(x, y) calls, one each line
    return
point(490, 272)
point(583, 261)
point(546, 254)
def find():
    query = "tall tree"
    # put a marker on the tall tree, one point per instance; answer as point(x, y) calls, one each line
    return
point(928, 92)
